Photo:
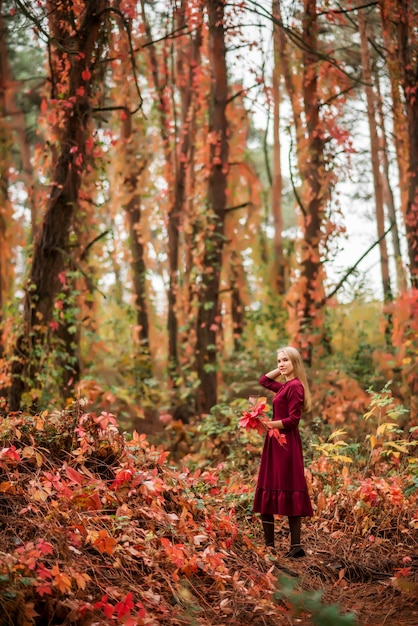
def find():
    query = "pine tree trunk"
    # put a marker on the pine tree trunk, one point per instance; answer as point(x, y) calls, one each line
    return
point(188, 59)
point(132, 169)
point(16, 121)
point(314, 192)
point(388, 193)
point(206, 349)
point(277, 183)
point(374, 149)
point(399, 21)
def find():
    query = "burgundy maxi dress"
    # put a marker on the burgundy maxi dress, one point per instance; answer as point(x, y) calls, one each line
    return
point(281, 486)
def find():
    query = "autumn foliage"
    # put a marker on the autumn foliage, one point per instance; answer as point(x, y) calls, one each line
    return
point(177, 182)
point(99, 527)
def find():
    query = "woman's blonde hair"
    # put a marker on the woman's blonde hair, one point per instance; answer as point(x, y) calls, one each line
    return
point(299, 372)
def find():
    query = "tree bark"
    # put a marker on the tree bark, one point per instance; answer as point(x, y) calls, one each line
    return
point(16, 122)
point(188, 59)
point(132, 207)
point(277, 182)
point(6, 212)
point(206, 350)
point(314, 191)
point(388, 193)
point(51, 244)
point(374, 150)
point(399, 20)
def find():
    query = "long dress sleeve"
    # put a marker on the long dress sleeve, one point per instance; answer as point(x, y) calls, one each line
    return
point(295, 396)
point(269, 383)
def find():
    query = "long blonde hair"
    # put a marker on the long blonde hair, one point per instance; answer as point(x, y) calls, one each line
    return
point(299, 372)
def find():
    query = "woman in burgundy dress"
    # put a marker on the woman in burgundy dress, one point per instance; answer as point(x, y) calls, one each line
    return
point(281, 486)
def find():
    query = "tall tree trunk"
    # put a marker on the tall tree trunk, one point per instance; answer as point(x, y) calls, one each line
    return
point(388, 193)
point(6, 211)
point(314, 192)
point(277, 182)
point(132, 178)
point(17, 122)
point(206, 350)
point(188, 59)
point(374, 149)
point(300, 71)
point(399, 20)
point(6, 215)
point(51, 244)
point(407, 50)
point(175, 207)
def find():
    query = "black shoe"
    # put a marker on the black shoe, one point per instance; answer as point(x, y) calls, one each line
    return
point(295, 552)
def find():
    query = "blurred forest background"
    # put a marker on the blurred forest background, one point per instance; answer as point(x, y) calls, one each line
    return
point(179, 185)
point(158, 244)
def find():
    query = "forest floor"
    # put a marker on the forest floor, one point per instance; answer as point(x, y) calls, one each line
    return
point(351, 572)
point(96, 530)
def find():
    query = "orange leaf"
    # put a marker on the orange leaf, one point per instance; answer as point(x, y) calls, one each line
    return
point(105, 543)
point(61, 580)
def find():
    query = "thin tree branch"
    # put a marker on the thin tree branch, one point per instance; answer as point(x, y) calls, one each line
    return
point(345, 11)
point(116, 108)
point(127, 26)
point(238, 206)
point(92, 242)
point(354, 267)
point(335, 96)
point(297, 39)
point(240, 92)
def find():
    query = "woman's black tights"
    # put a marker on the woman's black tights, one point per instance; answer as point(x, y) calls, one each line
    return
point(294, 527)
point(268, 528)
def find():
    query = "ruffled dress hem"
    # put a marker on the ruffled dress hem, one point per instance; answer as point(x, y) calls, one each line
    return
point(276, 502)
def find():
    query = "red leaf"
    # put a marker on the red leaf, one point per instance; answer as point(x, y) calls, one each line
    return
point(85, 74)
point(75, 476)
point(124, 607)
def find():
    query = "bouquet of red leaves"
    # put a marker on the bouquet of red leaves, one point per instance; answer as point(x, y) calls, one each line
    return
point(256, 419)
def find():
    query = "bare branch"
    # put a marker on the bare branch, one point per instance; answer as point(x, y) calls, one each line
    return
point(354, 267)
point(238, 206)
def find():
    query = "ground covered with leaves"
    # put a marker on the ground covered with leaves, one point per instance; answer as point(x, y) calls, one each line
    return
point(98, 528)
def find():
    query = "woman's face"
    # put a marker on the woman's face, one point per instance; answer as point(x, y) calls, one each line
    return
point(285, 365)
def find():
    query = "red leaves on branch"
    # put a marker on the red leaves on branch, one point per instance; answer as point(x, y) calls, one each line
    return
point(253, 420)
point(257, 419)
point(281, 437)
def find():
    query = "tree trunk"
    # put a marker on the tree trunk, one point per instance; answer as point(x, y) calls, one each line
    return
point(374, 149)
point(407, 51)
point(6, 215)
point(17, 120)
point(133, 169)
point(188, 59)
point(174, 204)
point(314, 192)
point(399, 20)
point(277, 183)
point(206, 350)
point(51, 244)
point(388, 193)
point(6, 211)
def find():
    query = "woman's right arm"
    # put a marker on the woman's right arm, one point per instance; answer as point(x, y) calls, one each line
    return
point(267, 380)
point(273, 374)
